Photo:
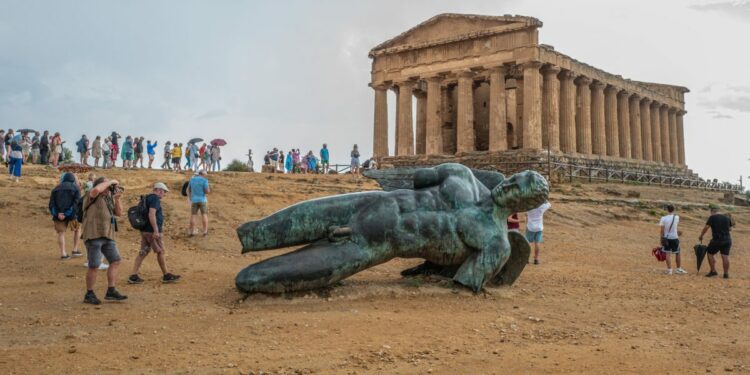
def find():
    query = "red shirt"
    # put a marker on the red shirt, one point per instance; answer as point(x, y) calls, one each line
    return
point(513, 225)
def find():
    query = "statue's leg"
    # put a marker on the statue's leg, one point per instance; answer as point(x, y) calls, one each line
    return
point(302, 223)
point(314, 266)
point(519, 256)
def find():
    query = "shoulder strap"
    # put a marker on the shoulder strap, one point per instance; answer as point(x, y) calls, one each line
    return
point(671, 224)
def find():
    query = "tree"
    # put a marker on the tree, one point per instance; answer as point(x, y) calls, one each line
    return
point(237, 166)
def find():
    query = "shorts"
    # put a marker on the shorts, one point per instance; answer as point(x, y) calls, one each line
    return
point(148, 243)
point(324, 162)
point(533, 237)
point(355, 163)
point(101, 246)
point(138, 155)
point(71, 224)
point(672, 246)
point(201, 207)
point(176, 160)
point(716, 246)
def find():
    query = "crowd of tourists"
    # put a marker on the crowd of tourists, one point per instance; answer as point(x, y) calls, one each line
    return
point(296, 162)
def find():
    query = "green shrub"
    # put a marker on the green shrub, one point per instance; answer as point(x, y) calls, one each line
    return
point(237, 166)
point(67, 155)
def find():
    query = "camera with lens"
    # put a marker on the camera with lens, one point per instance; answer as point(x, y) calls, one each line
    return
point(116, 188)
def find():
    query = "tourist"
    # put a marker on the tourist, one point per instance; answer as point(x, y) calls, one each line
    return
point(303, 164)
point(281, 162)
point(201, 156)
point(197, 190)
point(187, 156)
point(370, 163)
point(44, 148)
point(177, 156)
point(534, 228)
point(127, 154)
point(151, 151)
point(354, 166)
point(215, 158)
point(15, 160)
point(151, 237)
point(514, 225)
point(83, 149)
point(324, 158)
point(138, 149)
point(63, 205)
point(167, 156)
point(312, 162)
point(101, 208)
point(25, 147)
point(106, 152)
point(57, 149)
point(206, 158)
point(289, 163)
point(115, 147)
point(2, 146)
point(670, 242)
point(194, 156)
point(296, 160)
point(96, 150)
point(274, 155)
point(6, 144)
point(250, 164)
point(35, 153)
point(721, 240)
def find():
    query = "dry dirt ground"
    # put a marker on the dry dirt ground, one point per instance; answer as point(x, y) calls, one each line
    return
point(599, 302)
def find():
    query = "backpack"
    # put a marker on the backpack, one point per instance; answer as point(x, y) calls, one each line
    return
point(138, 214)
point(185, 188)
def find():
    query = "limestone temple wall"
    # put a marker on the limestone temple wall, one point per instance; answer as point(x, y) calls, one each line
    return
point(486, 84)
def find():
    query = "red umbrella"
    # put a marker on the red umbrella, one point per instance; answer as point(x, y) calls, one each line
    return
point(219, 142)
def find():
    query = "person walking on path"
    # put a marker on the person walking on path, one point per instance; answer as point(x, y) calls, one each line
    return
point(535, 228)
point(167, 156)
point(354, 165)
point(138, 148)
point(151, 237)
point(57, 149)
point(25, 147)
point(206, 158)
point(6, 143)
point(15, 161)
point(177, 156)
point(101, 207)
point(106, 153)
point(2, 146)
point(325, 158)
point(198, 188)
point(215, 158)
point(151, 151)
point(63, 205)
point(128, 154)
point(35, 153)
point(83, 149)
point(115, 148)
point(670, 242)
point(44, 147)
point(96, 150)
point(721, 240)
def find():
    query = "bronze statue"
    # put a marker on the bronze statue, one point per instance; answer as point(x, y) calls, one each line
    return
point(450, 215)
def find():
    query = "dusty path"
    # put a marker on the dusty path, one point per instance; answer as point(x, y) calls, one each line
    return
point(599, 302)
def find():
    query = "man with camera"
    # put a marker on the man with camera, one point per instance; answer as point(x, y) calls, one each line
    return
point(101, 206)
point(151, 238)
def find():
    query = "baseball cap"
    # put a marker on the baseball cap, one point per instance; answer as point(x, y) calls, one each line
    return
point(160, 185)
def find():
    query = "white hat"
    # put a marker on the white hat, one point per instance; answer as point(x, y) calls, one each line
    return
point(160, 185)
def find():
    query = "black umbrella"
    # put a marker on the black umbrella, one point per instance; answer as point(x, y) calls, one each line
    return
point(700, 254)
point(25, 131)
point(195, 140)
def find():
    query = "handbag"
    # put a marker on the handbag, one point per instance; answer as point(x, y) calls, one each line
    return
point(663, 238)
point(659, 254)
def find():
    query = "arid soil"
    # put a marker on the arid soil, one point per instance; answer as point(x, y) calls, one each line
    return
point(598, 303)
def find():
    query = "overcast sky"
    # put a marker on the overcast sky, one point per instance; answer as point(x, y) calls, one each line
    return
point(295, 74)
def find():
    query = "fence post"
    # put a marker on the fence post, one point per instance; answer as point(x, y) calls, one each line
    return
point(571, 173)
point(590, 170)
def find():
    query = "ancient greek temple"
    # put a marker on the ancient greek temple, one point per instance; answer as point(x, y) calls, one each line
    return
point(484, 84)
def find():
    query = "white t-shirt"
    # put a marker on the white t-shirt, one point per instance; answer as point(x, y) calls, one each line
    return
point(534, 222)
point(666, 221)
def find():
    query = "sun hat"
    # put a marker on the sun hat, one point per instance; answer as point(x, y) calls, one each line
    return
point(160, 185)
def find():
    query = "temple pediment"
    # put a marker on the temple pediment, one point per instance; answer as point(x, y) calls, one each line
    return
point(450, 27)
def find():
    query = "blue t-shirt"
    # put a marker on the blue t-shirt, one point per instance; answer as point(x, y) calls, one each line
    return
point(198, 187)
point(150, 148)
point(324, 154)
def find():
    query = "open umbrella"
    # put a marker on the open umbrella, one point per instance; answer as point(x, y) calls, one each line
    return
point(219, 142)
point(25, 131)
point(195, 140)
point(700, 254)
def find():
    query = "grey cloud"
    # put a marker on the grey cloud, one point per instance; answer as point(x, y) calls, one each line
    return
point(720, 116)
point(739, 9)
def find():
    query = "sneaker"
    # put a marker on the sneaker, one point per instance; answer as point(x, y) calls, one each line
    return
point(91, 298)
point(726, 275)
point(65, 257)
point(135, 279)
point(680, 271)
point(170, 278)
point(669, 271)
point(114, 295)
point(102, 266)
point(536, 261)
point(711, 274)
point(76, 254)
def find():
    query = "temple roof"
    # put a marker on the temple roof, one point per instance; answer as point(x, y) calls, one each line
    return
point(448, 27)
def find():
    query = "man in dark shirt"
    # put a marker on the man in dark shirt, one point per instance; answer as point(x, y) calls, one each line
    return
point(44, 147)
point(721, 240)
point(151, 237)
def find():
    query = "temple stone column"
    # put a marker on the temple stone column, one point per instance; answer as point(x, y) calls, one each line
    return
point(674, 151)
point(567, 112)
point(646, 130)
point(404, 121)
point(623, 122)
point(421, 122)
point(680, 137)
point(380, 131)
point(666, 155)
point(532, 105)
point(551, 108)
point(465, 116)
point(636, 145)
point(498, 114)
point(583, 115)
point(655, 131)
point(598, 140)
point(433, 134)
point(611, 124)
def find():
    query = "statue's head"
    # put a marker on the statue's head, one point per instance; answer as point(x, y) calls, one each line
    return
point(522, 192)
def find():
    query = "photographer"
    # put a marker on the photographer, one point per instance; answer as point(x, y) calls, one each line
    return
point(101, 206)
